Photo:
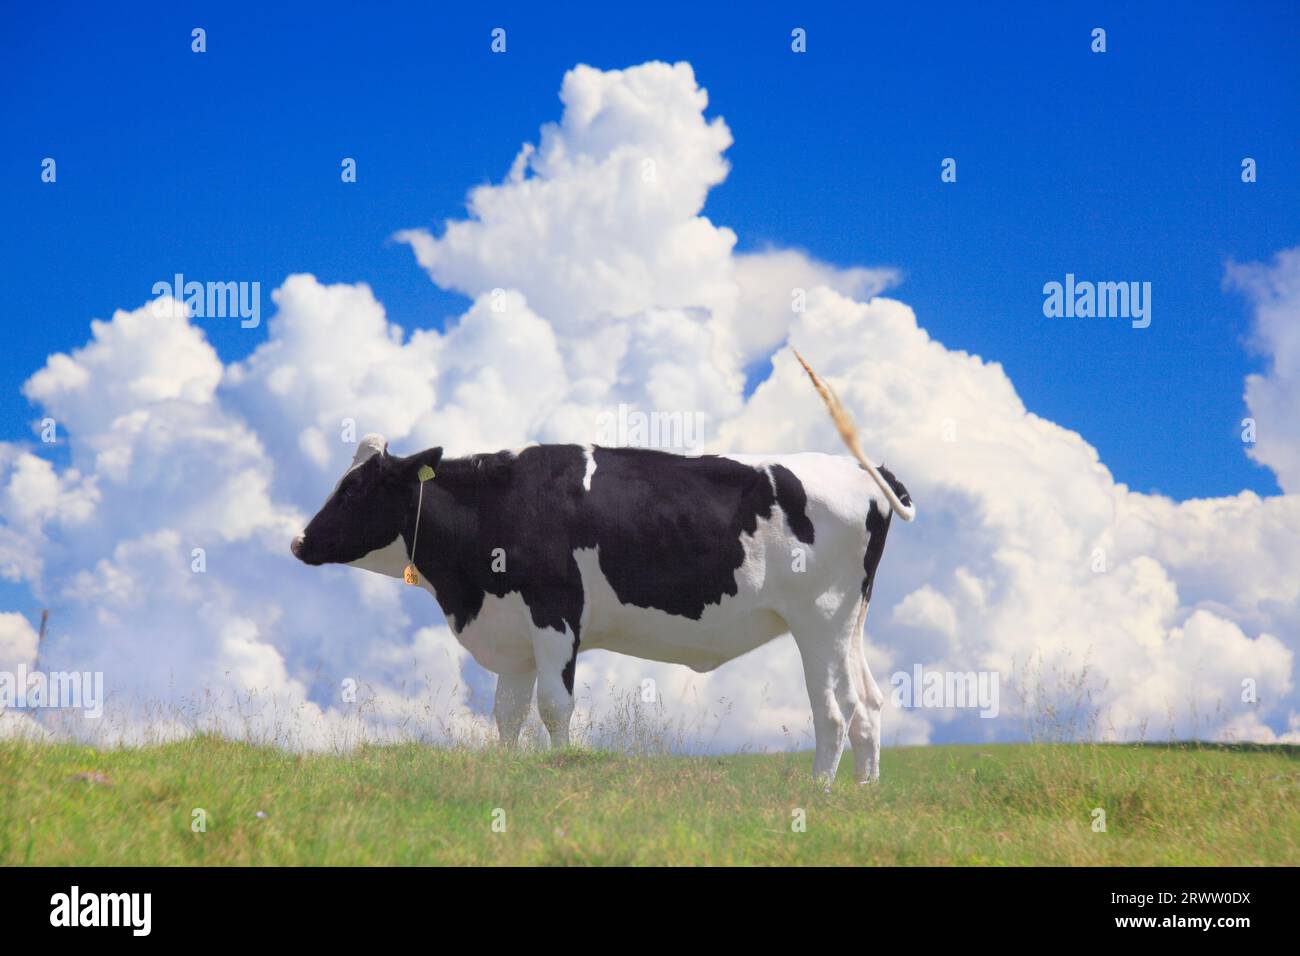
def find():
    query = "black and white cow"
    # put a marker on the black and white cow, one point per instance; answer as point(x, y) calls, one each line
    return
point(537, 554)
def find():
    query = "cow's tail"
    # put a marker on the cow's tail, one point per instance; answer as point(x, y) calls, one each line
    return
point(889, 486)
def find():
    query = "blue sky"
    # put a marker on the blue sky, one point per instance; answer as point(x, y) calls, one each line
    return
point(1116, 166)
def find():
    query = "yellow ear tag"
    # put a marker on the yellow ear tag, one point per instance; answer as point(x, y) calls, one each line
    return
point(409, 575)
point(425, 473)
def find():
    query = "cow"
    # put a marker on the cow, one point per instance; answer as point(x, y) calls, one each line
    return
point(537, 554)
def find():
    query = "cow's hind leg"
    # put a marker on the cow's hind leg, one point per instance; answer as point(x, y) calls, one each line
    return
point(830, 671)
point(556, 653)
point(864, 729)
point(510, 707)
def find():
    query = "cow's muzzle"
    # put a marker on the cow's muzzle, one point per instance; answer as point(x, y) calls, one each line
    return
point(308, 551)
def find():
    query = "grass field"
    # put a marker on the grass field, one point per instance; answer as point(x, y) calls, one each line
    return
point(968, 805)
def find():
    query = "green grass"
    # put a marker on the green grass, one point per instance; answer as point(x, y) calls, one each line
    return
point(971, 805)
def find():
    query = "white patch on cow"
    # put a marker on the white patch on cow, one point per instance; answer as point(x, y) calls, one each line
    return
point(835, 483)
point(590, 453)
point(501, 635)
point(390, 559)
point(369, 446)
point(724, 631)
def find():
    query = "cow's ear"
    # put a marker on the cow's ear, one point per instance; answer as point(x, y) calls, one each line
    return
point(409, 468)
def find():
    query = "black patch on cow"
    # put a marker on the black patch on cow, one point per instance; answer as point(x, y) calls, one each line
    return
point(526, 505)
point(877, 528)
point(793, 500)
point(566, 675)
point(903, 497)
point(669, 527)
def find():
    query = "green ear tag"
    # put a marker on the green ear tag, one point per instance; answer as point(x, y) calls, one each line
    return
point(425, 473)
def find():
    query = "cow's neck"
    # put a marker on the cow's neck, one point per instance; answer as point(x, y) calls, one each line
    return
point(389, 560)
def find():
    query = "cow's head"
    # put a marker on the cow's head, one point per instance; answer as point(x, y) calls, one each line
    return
point(369, 508)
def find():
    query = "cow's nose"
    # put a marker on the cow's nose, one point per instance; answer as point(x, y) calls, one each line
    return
point(296, 546)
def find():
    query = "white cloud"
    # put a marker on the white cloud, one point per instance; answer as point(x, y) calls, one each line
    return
point(927, 610)
point(119, 369)
point(602, 218)
point(595, 280)
point(768, 282)
point(1274, 396)
point(17, 642)
point(32, 495)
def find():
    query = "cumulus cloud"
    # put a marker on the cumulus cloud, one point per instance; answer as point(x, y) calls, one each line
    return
point(17, 642)
point(770, 283)
point(602, 217)
point(596, 280)
point(33, 495)
point(599, 227)
point(1274, 396)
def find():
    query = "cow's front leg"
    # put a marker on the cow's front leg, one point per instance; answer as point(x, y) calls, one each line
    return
point(514, 696)
point(556, 653)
